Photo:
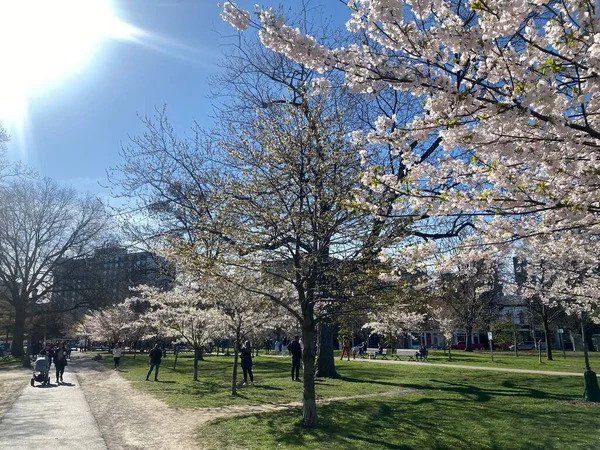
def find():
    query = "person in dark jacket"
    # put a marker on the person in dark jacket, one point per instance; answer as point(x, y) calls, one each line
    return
point(155, 357)
point(295, 349)
point(48, 352)
point(246, 355)
point(60, 361)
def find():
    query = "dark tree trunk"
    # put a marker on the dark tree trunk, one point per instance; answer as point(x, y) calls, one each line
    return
point(547, 335)
point(468, 338)
point(234, 374)
point(197, 356)
point(236, 346)
point(309, 402)
point(176, 356)
point(19, 333)
point(589, 331)
point(326, 360)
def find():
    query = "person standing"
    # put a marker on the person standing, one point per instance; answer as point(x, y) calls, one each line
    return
point(296, 350)
point(117, 352)
point(155, 358)
point(246, 355)
point(60, 361)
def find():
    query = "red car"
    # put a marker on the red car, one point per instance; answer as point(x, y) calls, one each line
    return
point(463, 345)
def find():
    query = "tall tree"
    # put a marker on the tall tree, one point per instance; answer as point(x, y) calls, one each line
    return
point(41, 226)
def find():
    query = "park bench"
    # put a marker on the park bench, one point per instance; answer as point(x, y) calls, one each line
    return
point(374, 352)
point(411, 353)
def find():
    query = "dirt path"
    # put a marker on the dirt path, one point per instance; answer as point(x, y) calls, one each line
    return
point(12, 383)
point(131, 419)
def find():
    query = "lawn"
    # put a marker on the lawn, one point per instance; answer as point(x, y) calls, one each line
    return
point(574, 361)
point(444, 408)
point(273, 383)
point(501, 412)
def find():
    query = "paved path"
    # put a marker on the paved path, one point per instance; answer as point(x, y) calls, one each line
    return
point(53, 417)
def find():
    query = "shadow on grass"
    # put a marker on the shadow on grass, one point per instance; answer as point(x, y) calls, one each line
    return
point(505, 389)
point(358, 380)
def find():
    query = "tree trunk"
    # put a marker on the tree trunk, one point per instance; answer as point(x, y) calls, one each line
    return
point(309, 402)
point(176, 356)
point(589, 331)
point(326, 360)
point(234, 374)
point(547, 335)
point(16, 347)
point(515, 342)
point(468, 338)
point(197, 355)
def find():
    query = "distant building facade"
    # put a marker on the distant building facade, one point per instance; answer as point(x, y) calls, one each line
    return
point(107, 276)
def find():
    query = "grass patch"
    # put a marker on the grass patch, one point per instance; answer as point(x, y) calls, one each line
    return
point(574, 361)
point(9, 363)
point(274, 386)
point(448, 411)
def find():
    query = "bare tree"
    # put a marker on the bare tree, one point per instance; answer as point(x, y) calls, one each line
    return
point(41, 226)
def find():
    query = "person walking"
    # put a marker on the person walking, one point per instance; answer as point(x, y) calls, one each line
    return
point(117, 352)
point(296, 350)
point(48, 353)
point(60, 361)
point(155, 358)
point(246, 355)
point(345, 349)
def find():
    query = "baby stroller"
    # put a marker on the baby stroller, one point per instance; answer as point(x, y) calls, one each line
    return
point(41, 372)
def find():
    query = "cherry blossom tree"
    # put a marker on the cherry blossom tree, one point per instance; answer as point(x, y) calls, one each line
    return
point(509, 86)
point(394, 321)
point(244, 314)
point(183, 314)
point(111, 324)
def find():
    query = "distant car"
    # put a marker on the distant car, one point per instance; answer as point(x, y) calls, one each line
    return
point(525, 345)
point(463, 345)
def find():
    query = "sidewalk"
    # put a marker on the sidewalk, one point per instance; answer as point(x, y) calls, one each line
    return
point(53, 417)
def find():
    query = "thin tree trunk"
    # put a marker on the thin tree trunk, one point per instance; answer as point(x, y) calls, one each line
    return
point(235, 368)
point(515, 342)
point(309, 402)
point(326, 360)
point(176, 356)
point(196, 359)
point(547, 335)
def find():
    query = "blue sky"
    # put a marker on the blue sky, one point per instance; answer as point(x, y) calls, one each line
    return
point(75, 127)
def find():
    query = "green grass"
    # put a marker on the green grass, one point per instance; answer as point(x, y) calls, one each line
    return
point(273, 384)
point(446, 408)
point(574, 361)
point(449, 409)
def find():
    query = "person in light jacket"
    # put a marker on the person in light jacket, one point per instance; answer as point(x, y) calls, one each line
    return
point(117, 352)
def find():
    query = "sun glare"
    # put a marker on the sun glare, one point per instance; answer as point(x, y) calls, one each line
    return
point(43, 42)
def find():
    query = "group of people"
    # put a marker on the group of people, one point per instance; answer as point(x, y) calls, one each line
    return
point(57, 354)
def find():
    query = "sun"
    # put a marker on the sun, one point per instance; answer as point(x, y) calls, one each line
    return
point(44, 42)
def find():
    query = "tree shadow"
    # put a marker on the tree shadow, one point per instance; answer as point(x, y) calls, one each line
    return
point(358, 380)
